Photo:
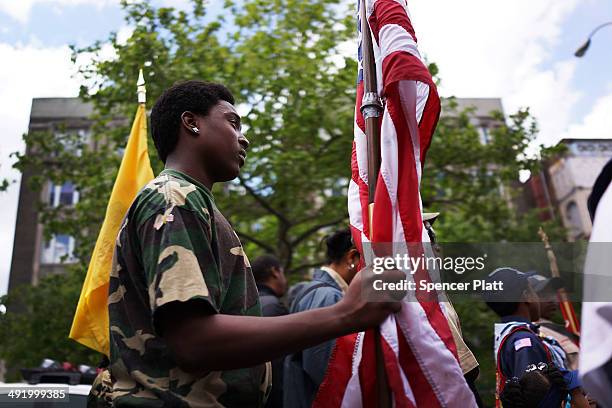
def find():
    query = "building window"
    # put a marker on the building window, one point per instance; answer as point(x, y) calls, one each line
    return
point(59, 249)
point(74, 140)
point(483, 133)
point(65, 194)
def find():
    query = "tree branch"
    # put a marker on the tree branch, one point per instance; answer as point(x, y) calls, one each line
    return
point(263, 202)
point(257, 242)
point(304, 266)
point(443, 201)
point(327, 143)
point(314, 229)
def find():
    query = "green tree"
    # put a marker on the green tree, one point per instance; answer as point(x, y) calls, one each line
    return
point(475, 185)
point(5, 184)
point(36, 322)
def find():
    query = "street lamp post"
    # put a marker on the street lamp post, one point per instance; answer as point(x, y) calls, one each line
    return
point(582, 50)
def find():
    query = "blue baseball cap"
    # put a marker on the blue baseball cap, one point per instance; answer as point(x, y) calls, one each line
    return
point(512, 283)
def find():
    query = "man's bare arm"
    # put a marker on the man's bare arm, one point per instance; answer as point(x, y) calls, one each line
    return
point(223, 342)
point(204, 342)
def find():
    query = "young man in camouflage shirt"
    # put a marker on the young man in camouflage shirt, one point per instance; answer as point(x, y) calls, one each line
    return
point(184, 313)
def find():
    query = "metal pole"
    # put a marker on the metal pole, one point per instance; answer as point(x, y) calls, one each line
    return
point(371, 108)
point(544, 179)
point(599, 27)
point(141, 89)
point(567, 309)
point(583, 49)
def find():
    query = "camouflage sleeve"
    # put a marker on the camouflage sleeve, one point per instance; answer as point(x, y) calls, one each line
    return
point(178, 260)
point(101, 391)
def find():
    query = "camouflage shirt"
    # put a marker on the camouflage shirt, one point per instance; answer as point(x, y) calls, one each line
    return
point(174, 246)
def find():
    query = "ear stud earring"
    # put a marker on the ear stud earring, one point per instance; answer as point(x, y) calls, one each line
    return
point(195, 130)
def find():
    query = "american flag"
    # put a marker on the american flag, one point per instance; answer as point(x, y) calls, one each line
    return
point(420, 356)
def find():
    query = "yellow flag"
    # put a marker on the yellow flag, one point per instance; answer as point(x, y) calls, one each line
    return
point(90, 324)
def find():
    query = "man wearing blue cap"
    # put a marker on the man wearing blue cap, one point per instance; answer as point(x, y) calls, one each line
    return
point(518, 344)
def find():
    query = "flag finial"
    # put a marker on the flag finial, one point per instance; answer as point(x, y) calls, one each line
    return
point(141, 90)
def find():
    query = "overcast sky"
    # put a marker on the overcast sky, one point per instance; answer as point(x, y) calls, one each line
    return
point(518, 50)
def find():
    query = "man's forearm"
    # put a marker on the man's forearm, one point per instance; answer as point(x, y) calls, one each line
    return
point(222, 342)
point(204, 342)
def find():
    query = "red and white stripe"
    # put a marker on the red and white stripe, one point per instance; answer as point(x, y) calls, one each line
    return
point(420, 356)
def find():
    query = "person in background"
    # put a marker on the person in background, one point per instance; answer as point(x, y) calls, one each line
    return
point(272, 285)
point(467, 360)
point(546, 289)
point(518, 344)
point(305, 370)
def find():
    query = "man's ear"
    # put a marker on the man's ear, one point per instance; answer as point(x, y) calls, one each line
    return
point(189, 121)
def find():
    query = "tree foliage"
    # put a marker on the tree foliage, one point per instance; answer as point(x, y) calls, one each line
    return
point(36, 323)
point(475, 185)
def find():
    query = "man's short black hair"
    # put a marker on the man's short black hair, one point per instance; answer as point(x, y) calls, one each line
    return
point(262, 267)
point(503, 309)
point(195, 96)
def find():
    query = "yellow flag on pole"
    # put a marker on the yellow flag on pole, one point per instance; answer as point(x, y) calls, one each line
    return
point(90, 324)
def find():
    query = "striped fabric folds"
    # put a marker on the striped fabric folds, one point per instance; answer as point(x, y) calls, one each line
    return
point(420, 356)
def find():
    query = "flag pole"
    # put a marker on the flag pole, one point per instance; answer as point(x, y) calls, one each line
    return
point(371, 109)
point(567, 309)
point(141, 89)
